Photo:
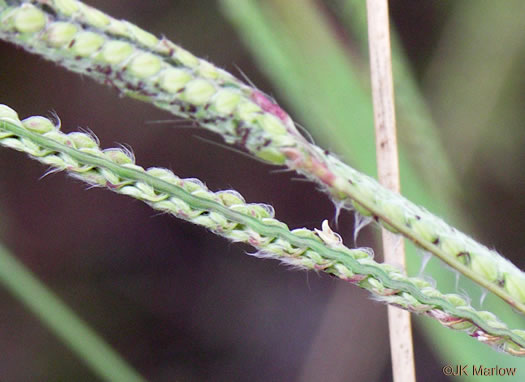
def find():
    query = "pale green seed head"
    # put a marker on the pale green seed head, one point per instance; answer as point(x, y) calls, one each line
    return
point(218, 219)
point(94, 178)
point(143, 37)
point(132, 191)
point(467, 308)
point(165, 205)
point(344, 271)
point(67, 7)
point(397, 276)
point(191, 185)
point(38, 124)
point(29, 19)
point(114, 52)
point(13, 143)
point(395, 214)
point(58, 137)
point(242, 208)
point(360, 254)
point(248, 110)
point(271, 155)
point(485, 266)
point(283, 247)
point(8, 113)
point(284, 140)
point(145, 188)
point(173, 79)
point(179, 206)
point(53, 160)
point(424, 229)
point(238, 236)
point(419, 283)
point(275, 222)
point(260, 211)
point(208, 70)
point(515, 285)
point(409, 300)
point(306, 233)
point(205, 221)
point(375, 284)
point(204, 194)
point(111, 177)
point(148, 193)
point(303, 262)
point(226, 77)
point(486, 315)
point(389, 269)
point(230, 198)
point(430, 292)
point(368, 260)
point(199, 91)
point(456, 300)
point(193, 214)
point(453, 247)
point(86, 43)
point(117, 27)
point(164, 174)
point(145, 65)
point(185, 57)
point(30, 146)
point(94, 16)
point(316, 258)
point(118, 156)
point(225, 101)
point(271, 124)
point(60, 33)
point(261, 240)
point(82, 140)
point(491, 319)
point(394, 299)
point(165, 47)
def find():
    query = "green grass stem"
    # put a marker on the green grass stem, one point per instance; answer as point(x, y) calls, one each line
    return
point(62, 321)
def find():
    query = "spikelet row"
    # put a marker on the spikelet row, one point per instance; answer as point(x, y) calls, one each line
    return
point(226, 213)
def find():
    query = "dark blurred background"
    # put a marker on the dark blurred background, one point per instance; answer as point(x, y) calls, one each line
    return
point(179, 303)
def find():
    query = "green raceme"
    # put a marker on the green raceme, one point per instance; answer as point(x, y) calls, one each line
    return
point(227, 214)
point(155, 70)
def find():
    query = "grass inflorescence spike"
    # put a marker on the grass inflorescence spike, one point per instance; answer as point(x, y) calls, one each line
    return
point(138, 64)
point(156, 70)
point(227, 214)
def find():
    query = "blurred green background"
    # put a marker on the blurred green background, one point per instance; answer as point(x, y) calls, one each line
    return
point(180, 304)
